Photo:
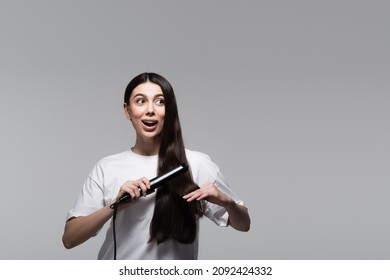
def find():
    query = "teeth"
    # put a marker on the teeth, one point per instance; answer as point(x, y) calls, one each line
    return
point(149, 123)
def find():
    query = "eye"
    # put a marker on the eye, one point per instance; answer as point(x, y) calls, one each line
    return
point(159, 101)
point(140, 101)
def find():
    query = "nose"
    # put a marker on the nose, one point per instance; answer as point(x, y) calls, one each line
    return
point(150, 108)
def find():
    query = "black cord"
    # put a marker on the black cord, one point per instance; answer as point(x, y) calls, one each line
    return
point(115, 207)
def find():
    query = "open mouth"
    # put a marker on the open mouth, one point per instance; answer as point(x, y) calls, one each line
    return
point(149, 123)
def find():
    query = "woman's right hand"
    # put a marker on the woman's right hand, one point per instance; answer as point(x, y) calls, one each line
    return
point(135, 189)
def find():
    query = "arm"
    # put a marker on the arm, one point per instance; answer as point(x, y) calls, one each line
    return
point(80, 229)
point(238, 214)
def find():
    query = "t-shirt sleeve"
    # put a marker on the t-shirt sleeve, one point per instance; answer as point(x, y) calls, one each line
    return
point(91, 197)
point(210, 172)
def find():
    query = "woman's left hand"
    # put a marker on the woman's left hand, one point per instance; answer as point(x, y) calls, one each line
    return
point(210, 193)
point(238, 214)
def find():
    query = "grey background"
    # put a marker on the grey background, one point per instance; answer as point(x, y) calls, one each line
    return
point(290, 98)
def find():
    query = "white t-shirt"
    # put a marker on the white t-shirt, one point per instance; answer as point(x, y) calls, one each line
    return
point(132, 223)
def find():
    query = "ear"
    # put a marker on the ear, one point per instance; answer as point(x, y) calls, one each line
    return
point(126, 111)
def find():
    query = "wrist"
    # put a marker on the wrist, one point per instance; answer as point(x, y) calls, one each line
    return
point(229, 204)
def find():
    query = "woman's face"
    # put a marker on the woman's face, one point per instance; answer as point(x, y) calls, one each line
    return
point(146, 110)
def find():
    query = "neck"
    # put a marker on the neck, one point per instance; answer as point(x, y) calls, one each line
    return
point(146, 147)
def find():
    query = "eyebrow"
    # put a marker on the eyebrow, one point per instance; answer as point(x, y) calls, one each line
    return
point(143, 95)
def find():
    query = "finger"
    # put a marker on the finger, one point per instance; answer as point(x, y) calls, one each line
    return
point(138, 187)
point(142, 188)
point(144, 185)
point(194, 195)
point(146, 182)
point(126, 190)
point(189, 195)
point(133, 192)
point(189, 198)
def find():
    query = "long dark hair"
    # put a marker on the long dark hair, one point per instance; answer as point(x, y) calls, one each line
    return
point(173, 218)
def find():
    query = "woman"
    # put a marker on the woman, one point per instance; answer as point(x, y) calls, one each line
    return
point(163, 225)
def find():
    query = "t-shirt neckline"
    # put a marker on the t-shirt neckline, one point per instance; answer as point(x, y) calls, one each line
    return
point(152, 157)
